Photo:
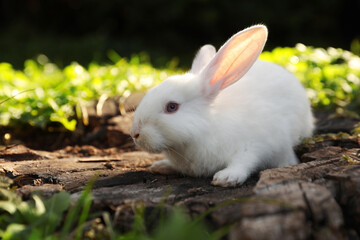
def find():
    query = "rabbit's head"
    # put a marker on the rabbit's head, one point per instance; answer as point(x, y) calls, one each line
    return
point(178, 110)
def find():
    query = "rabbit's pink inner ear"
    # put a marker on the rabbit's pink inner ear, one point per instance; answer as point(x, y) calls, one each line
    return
point(236, 57)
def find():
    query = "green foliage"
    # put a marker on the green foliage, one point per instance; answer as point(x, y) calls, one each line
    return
point(46, 219)
point(35, 219)
point(42, 93)
point(331, 77)
point(41, 218)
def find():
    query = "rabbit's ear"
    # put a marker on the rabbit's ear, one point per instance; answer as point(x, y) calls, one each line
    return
point(203, 57)
point(234, 59)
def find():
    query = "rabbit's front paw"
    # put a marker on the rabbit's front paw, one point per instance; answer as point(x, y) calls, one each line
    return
point(229, 177)
point(163, 167)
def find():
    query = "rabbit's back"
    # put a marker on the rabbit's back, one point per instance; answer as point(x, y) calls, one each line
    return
point(271, 98)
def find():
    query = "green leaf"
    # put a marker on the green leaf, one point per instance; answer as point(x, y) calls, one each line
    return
point(13, 231)
point(5, 182)
point(8, 206)
point(9, 195)
point(55, 208)
point(58, 203)
point(39, 205)
point(69, 125)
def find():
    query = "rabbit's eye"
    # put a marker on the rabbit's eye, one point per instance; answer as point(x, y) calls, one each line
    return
point(171, 107)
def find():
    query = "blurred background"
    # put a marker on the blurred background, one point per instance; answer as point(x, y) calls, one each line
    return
point(85, 31)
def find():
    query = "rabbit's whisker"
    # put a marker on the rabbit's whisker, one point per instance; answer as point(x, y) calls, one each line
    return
point(179, 154)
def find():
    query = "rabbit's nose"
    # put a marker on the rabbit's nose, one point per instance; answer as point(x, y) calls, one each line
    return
point(134, 133)
point(136, 136)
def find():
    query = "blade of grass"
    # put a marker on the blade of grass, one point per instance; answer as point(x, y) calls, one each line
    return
point(109, 225)
point(84, 215)
point(82, 205)
point(14, 96)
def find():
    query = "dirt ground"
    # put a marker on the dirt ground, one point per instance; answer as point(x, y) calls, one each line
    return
point(316, 199)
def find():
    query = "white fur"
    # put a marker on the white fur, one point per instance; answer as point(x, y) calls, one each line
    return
point(251, 125)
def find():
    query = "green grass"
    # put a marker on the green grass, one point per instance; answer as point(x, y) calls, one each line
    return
point(42, 94)
point(41, 218)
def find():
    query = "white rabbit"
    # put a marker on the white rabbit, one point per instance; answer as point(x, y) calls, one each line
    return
point(205, 126)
